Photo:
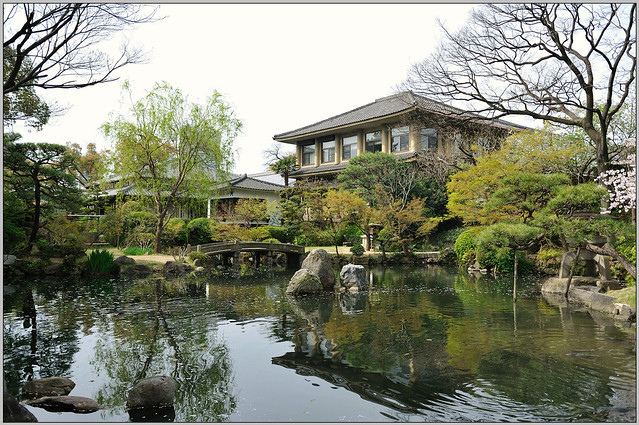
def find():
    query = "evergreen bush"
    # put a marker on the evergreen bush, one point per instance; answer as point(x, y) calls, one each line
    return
point(465, 242)
point(199, 231)
point(357, 249)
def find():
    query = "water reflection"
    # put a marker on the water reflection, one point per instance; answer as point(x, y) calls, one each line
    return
point(424, 344)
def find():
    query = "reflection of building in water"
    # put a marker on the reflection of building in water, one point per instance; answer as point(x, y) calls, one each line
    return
point(386, 363)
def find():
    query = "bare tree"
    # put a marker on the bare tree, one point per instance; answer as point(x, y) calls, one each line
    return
point(52, 45)
point(571, 64)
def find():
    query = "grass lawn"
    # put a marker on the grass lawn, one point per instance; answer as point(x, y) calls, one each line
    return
point(626, 295)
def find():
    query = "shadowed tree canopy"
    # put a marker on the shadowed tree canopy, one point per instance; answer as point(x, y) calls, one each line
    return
point(40, 175)
point(570, 64)
point(54, 45)
point(173, 150)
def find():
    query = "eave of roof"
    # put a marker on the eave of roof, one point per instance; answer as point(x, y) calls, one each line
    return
point(333, 168)
point(383, 108)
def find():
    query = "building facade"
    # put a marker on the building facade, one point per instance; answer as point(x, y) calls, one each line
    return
point(403, 124)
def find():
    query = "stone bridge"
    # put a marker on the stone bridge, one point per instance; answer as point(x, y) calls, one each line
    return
point(261, 250)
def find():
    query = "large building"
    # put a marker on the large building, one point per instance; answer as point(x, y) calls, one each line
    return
point(403, 124)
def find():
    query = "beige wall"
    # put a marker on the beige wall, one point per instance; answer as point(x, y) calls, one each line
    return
point(446, 140)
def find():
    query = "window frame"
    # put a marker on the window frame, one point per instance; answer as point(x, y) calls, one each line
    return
point(310, 145)
point(328, 150)
point(403, 135)
point(376, 141)
point(350, 145)
point(434, 133)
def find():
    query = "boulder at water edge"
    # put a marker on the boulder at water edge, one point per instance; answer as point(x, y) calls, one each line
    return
point(123, 260)
point(320, 262)
point(156, 391)
point(12, 410)
point(353, 278)
point(304, 282)
point(66, 403)
point(52, 386)
point(175, 268)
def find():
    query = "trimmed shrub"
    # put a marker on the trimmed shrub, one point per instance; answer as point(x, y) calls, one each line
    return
point(199, 231)
point(357, 249)
point(100, 262)
point(271, 240)
point(285, 234)
point(464, 243)
point(258, 233)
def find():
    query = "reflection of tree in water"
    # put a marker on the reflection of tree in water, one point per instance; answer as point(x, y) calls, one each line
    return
point(153, 336)
point(41, 341)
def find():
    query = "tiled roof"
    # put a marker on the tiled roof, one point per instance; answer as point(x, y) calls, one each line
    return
point(380, 108)
point(245, 182)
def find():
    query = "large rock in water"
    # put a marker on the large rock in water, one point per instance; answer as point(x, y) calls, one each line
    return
point(52, 386)
point(353, 278)
point(320, 262)
point(66, 403)
point(304, 282)
point(12, 410)
point(156, 391)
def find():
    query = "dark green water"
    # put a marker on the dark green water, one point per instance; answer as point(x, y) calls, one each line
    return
point(425, 344)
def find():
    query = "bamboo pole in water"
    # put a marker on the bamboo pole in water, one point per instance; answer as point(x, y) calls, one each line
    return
point(572, 271)
point(515, 280)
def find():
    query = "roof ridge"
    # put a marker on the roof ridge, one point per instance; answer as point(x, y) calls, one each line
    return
point(344, 113)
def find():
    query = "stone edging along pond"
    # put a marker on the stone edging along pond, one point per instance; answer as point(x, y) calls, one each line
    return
point(589, 296)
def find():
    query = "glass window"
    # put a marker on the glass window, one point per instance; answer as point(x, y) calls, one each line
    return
point(374, 141)
point(328, 149)
point(399, 139)
point(308, 154)
point(429, 139)
point(349, 147)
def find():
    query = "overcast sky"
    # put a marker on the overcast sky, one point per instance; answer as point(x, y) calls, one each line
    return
point(280, 66)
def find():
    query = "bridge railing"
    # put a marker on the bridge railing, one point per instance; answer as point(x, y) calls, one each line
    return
point(220, 247)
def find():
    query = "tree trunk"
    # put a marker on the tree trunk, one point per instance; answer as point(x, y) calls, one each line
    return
point(158, 232)
point(36, 215)
point(607, 250)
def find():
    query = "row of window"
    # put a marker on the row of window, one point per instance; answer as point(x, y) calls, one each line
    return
point(372, 143)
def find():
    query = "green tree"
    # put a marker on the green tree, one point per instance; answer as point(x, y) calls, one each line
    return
point(524, 194)
point(372, 175)
point(39, 174)
point(338, 209)
point(252, 210)
point(541, 152)
point(402, 224)
point(173, 149)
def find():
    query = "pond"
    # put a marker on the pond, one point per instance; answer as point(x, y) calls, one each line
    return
point(424, 344)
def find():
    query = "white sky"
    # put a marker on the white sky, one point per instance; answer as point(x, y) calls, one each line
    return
point(280, 66)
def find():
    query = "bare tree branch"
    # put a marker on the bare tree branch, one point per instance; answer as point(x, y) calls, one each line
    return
point(56, 43)
point(570, 64)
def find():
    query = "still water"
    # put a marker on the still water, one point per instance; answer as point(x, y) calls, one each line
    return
point(424, 344)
